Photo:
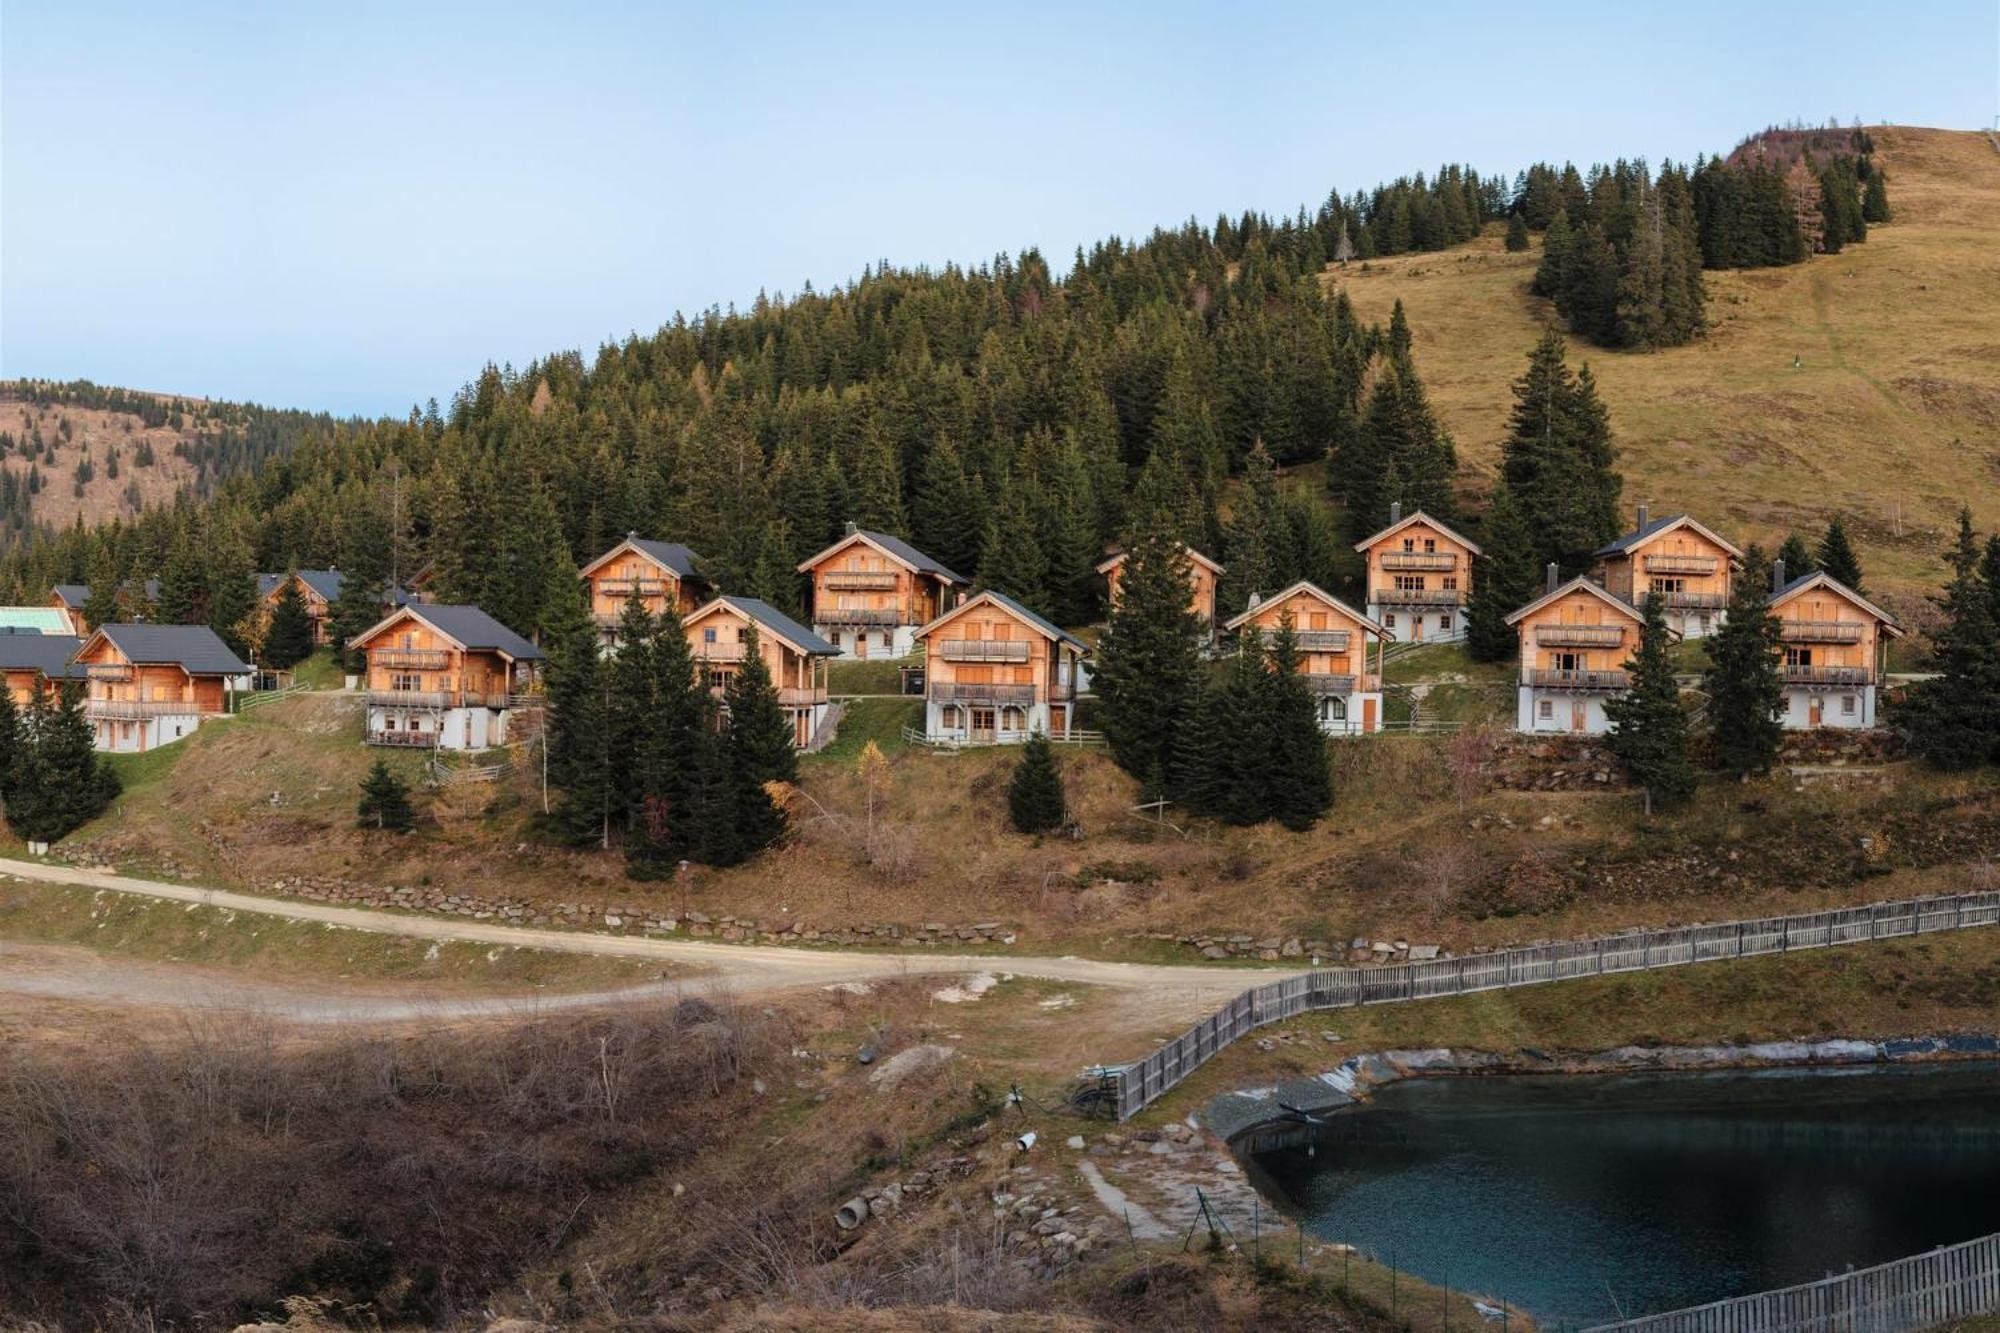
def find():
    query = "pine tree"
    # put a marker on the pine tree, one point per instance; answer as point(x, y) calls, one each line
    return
point(947, 516)
point(385, 801)
point(573, 702)
point(61, 783)
point(1298, 777)
point(1504, 580)
point(755, 820)
point(1250, 558)
point(1836, 557)
point(1746, 689)
point(232, 592)
point(1558, 459)
point(364, 583)
point(1648, 725)
point(101, 606)
point(1244, 714)
point(289, 638)
point(1035, 801)
point(629, 676)
point(13, 746)
point(1953, 720)
point(1149, 659)
point(1797, 557)
point(679, 764)
point(760, 732)
point(1517, 233)
point(1875, 197)
point(1011, 559)
point(183, 598)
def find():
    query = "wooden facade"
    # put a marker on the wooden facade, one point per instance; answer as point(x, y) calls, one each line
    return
point(443, 677)
point(871, 592)
point(1203, 576)
point(718, 636)
point(1334, 641)
point(995, 673)
point(1419, 578)
point(1575, 642)
point(1688, 566)
point(663, 573)
point(140, 696)
point(1834, 644)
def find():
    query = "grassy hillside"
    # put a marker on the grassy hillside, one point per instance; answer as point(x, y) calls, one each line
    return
point(1892, 416)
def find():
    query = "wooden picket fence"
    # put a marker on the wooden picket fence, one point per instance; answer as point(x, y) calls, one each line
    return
point(1923, 1291)
point(1144, 1081)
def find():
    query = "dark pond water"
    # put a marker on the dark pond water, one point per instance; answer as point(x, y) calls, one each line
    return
point(1580, 1198)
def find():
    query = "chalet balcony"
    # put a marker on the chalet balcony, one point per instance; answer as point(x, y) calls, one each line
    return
point(1821, 631)
point(1417, 596)
point(1579, 636)
point(624, 587)
point(1691, 601)
point(1827, 675)
point(413, 740)
point(108, 670)
point(1585, 682)
point(719, 652)
point(853, 615)
point(1681, 564)
point(1315, 640)
point(1411, 561)
point(800, 696)
point(855, 580)
point(1321, 683)
point(137, 709)
point(410, 659)
point(982, 650)
point(438, 700)
point(970, 692)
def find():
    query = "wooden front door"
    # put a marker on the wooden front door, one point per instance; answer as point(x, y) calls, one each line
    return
point(1579, 715)
point(982, 724)
point(861, 644)
point(1816, 710)
point(1417, 628)
point(1368, 724)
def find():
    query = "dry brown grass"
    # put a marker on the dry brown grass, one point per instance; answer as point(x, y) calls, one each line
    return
point(94, 432)
point(1893, 419)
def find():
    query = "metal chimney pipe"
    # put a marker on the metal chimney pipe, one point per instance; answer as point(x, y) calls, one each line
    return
point(1555, 576)
point(1642, 516)
point(1777, 573)
point(1395, 512)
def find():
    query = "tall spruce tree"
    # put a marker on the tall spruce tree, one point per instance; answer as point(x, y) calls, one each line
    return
point(1648, 725)
point(1244, 794)
point(574, 729)
point(1149, 659)
point(62, 783)
point(1953, 719)
point(1797, 557)
point(13, 745)
point(364, 583)
point(1746, 690)
point(288, 639)
point(1558, 459)
point(760, 731)
point(1298, 776)
point(385, 801)
point(679, 765)
point(1836, 557)
point(183, 598)
point(1504, 580)
point(1517, 233)
point(628, 693)
point(1011, 558)
point(1035, 801)
point(232, 592)
point(1252, 534)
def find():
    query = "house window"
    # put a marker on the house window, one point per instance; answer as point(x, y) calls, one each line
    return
point(1703, 621)
point(1389, 620)
point(949, 717)
point(718, 680)
point(1847, 705)
point(1410, 582)
point(1333, 709)
point(406, 680)
point(1011, 719)
point(708, 635)
point(1409, 543)
point(1449, 582)
point(1444, 623)
point(1545, 709)
point(833, 637)
point(1798, 657)
point(389, 723)
point(1430, 545)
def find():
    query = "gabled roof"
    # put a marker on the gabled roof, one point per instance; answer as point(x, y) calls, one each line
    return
point(1596, 589)
point(1420, 517)
point(467, 626)
point(894, 547)
point(1119, 557)
point(1820, 578)
point(1658, 526)
point(768, 617)
point(1008, 604)
point(671, 556)
point(196, 649)
point(34, 619)
point(49, 654)
point(324, 582)
point(72, 595)
point(1307, 586)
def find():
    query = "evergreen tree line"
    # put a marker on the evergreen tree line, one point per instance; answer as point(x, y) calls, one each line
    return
point(642, 753)
point(1953, 720)
point(51, 778)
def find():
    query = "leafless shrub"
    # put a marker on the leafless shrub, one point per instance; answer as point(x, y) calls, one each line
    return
point(1468, 758)
point(1444, 868)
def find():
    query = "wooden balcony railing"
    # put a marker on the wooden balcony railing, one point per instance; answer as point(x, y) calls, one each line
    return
point(143, 708)
point(1418, 560)
point(108, 670)
point(972, 692)
point(1326, 683)
point(1585, 681)
point(719, 652)
point(410, 659)
point(437, 700)
point(853, 615)
point(1315, 640)
point(1693, 601)
point(416, 740)
point(1579, 636)
point(1827, 675)
point(623, 587)
point(1680, 564)
point(1821, 631)
point(982, 650)
point(1417, 596)
point(800, 696)
point(856, 580)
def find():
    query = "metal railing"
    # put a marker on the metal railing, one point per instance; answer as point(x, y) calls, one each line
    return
point(858, 580)
point(1941, 1286)
point(959, 691)
point(1549, 678)
point(1680, 564)
point(982, 650)
point(1580, 636)
point(1417, 596)
point(1144, 1081)
point(1827, 675)
point(1821, 631)
point(1445, 560)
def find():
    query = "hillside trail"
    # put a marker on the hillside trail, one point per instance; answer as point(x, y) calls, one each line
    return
point(1155, 990)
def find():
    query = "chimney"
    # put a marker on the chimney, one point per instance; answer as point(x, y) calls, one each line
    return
point(1555, 577)
point(1777, 573)
point(1642, 516)
point(632, 536)
point(1251, 605)
point(1395, 512)
point(851, 528)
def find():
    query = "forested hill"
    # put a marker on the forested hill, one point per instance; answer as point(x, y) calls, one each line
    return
point(1000, 416)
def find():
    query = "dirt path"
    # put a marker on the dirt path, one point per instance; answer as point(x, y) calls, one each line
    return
point(731, 968)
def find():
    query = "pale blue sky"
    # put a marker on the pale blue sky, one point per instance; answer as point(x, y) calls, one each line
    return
point(353, 206)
